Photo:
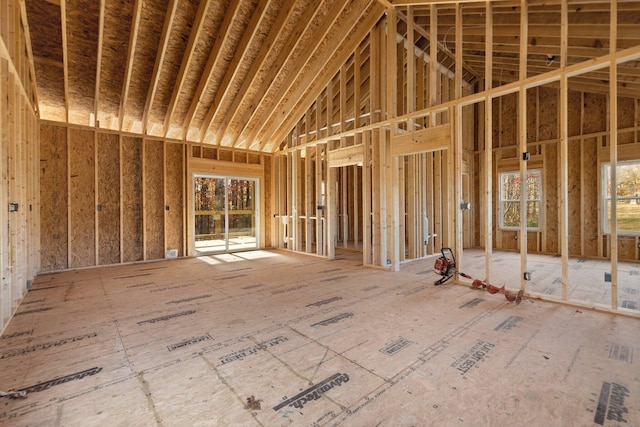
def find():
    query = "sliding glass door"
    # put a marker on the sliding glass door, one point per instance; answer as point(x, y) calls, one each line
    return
point(225, 214)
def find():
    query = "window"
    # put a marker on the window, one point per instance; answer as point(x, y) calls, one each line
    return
point(628, 196)
point(510, 190)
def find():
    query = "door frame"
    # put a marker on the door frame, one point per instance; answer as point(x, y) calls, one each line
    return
point(206, 166)
point(256, 209)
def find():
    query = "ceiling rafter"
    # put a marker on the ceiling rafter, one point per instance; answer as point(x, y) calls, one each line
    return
point(278, 65)
point(65, 59)
point(96, 97)
point(309, 93)
point(240, 53)
point(265, 48)
point(32, 71)
point(133, 37)
point(162, 48)
point(214, 56)
point(196, 30)
point(250, 85)
point(320, 34)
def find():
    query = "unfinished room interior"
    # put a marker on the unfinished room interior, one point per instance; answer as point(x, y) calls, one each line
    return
point(314, 213)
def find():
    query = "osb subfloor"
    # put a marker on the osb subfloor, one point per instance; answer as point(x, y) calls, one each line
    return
point(276, 339)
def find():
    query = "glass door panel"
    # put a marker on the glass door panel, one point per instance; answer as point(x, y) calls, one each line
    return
point(209, 197)
point(242, 214)
point(225, 214)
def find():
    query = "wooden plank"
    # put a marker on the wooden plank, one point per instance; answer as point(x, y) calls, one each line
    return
point(563, 191)
point(302, 96)
point(108, 201)
point(233, 66)
point(411, 67)
point(174, 197)
point(53, 204)
point(356, 204)
point(96, 94)
point(344, 205)
point(132, 220)
point(433, 59)
point(400, 212)
point(379, 195)
point(65, 57)
point(591, 201)
point(250, 80)
point(522, 138)
point(135, 23)
point(613, 146)
point(196, 29)
point(224, 167)
point(366, 201)
point(332, 214)
point(347, 156)
point(296, 201)
point(5, 288)
point(159, 62)
point(392, 203)
point(309, 199)
point(82, 189)
point(488, 200)
point(412, 212)
point(319, 198)
point(13, 164)
point(422, 141)
point(153, 194)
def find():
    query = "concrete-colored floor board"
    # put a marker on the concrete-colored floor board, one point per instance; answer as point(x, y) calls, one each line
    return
point(315, 343)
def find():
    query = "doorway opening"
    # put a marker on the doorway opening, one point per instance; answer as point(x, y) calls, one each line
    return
point(225, 214)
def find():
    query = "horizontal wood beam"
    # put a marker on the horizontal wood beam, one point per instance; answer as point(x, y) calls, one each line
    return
point(422, 141)
point(225, 167)
point(348, 156)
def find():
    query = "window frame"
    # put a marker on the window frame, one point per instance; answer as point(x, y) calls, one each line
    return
point(606, 198)
point(502, 200)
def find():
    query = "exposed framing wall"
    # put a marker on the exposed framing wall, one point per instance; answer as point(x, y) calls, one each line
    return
point(347, 177)
point(588, 148)
point(566, 130)
point(19, 151)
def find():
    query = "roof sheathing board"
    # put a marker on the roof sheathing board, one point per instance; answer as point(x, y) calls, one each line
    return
point(204, 45)
point(149, 32)
point(300, 97)
point(287, 70)
point(269, 68)
point(115, 42)
point(245, 65)
point(231, 41)
point(176, 46)
point(45, 20)
point(82, 47)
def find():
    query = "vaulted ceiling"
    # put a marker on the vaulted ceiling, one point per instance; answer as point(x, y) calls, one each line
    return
point(237, 72)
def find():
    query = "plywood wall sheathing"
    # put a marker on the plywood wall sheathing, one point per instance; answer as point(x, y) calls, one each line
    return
point(131, 169)
point(174, 199)
point(108, 206)
point(53, 197)
point(154, 208)
point(82, 189)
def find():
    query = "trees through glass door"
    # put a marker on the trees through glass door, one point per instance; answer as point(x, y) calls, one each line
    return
point(226, 214)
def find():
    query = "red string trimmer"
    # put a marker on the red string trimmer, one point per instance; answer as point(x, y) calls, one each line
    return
point(445, 266)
